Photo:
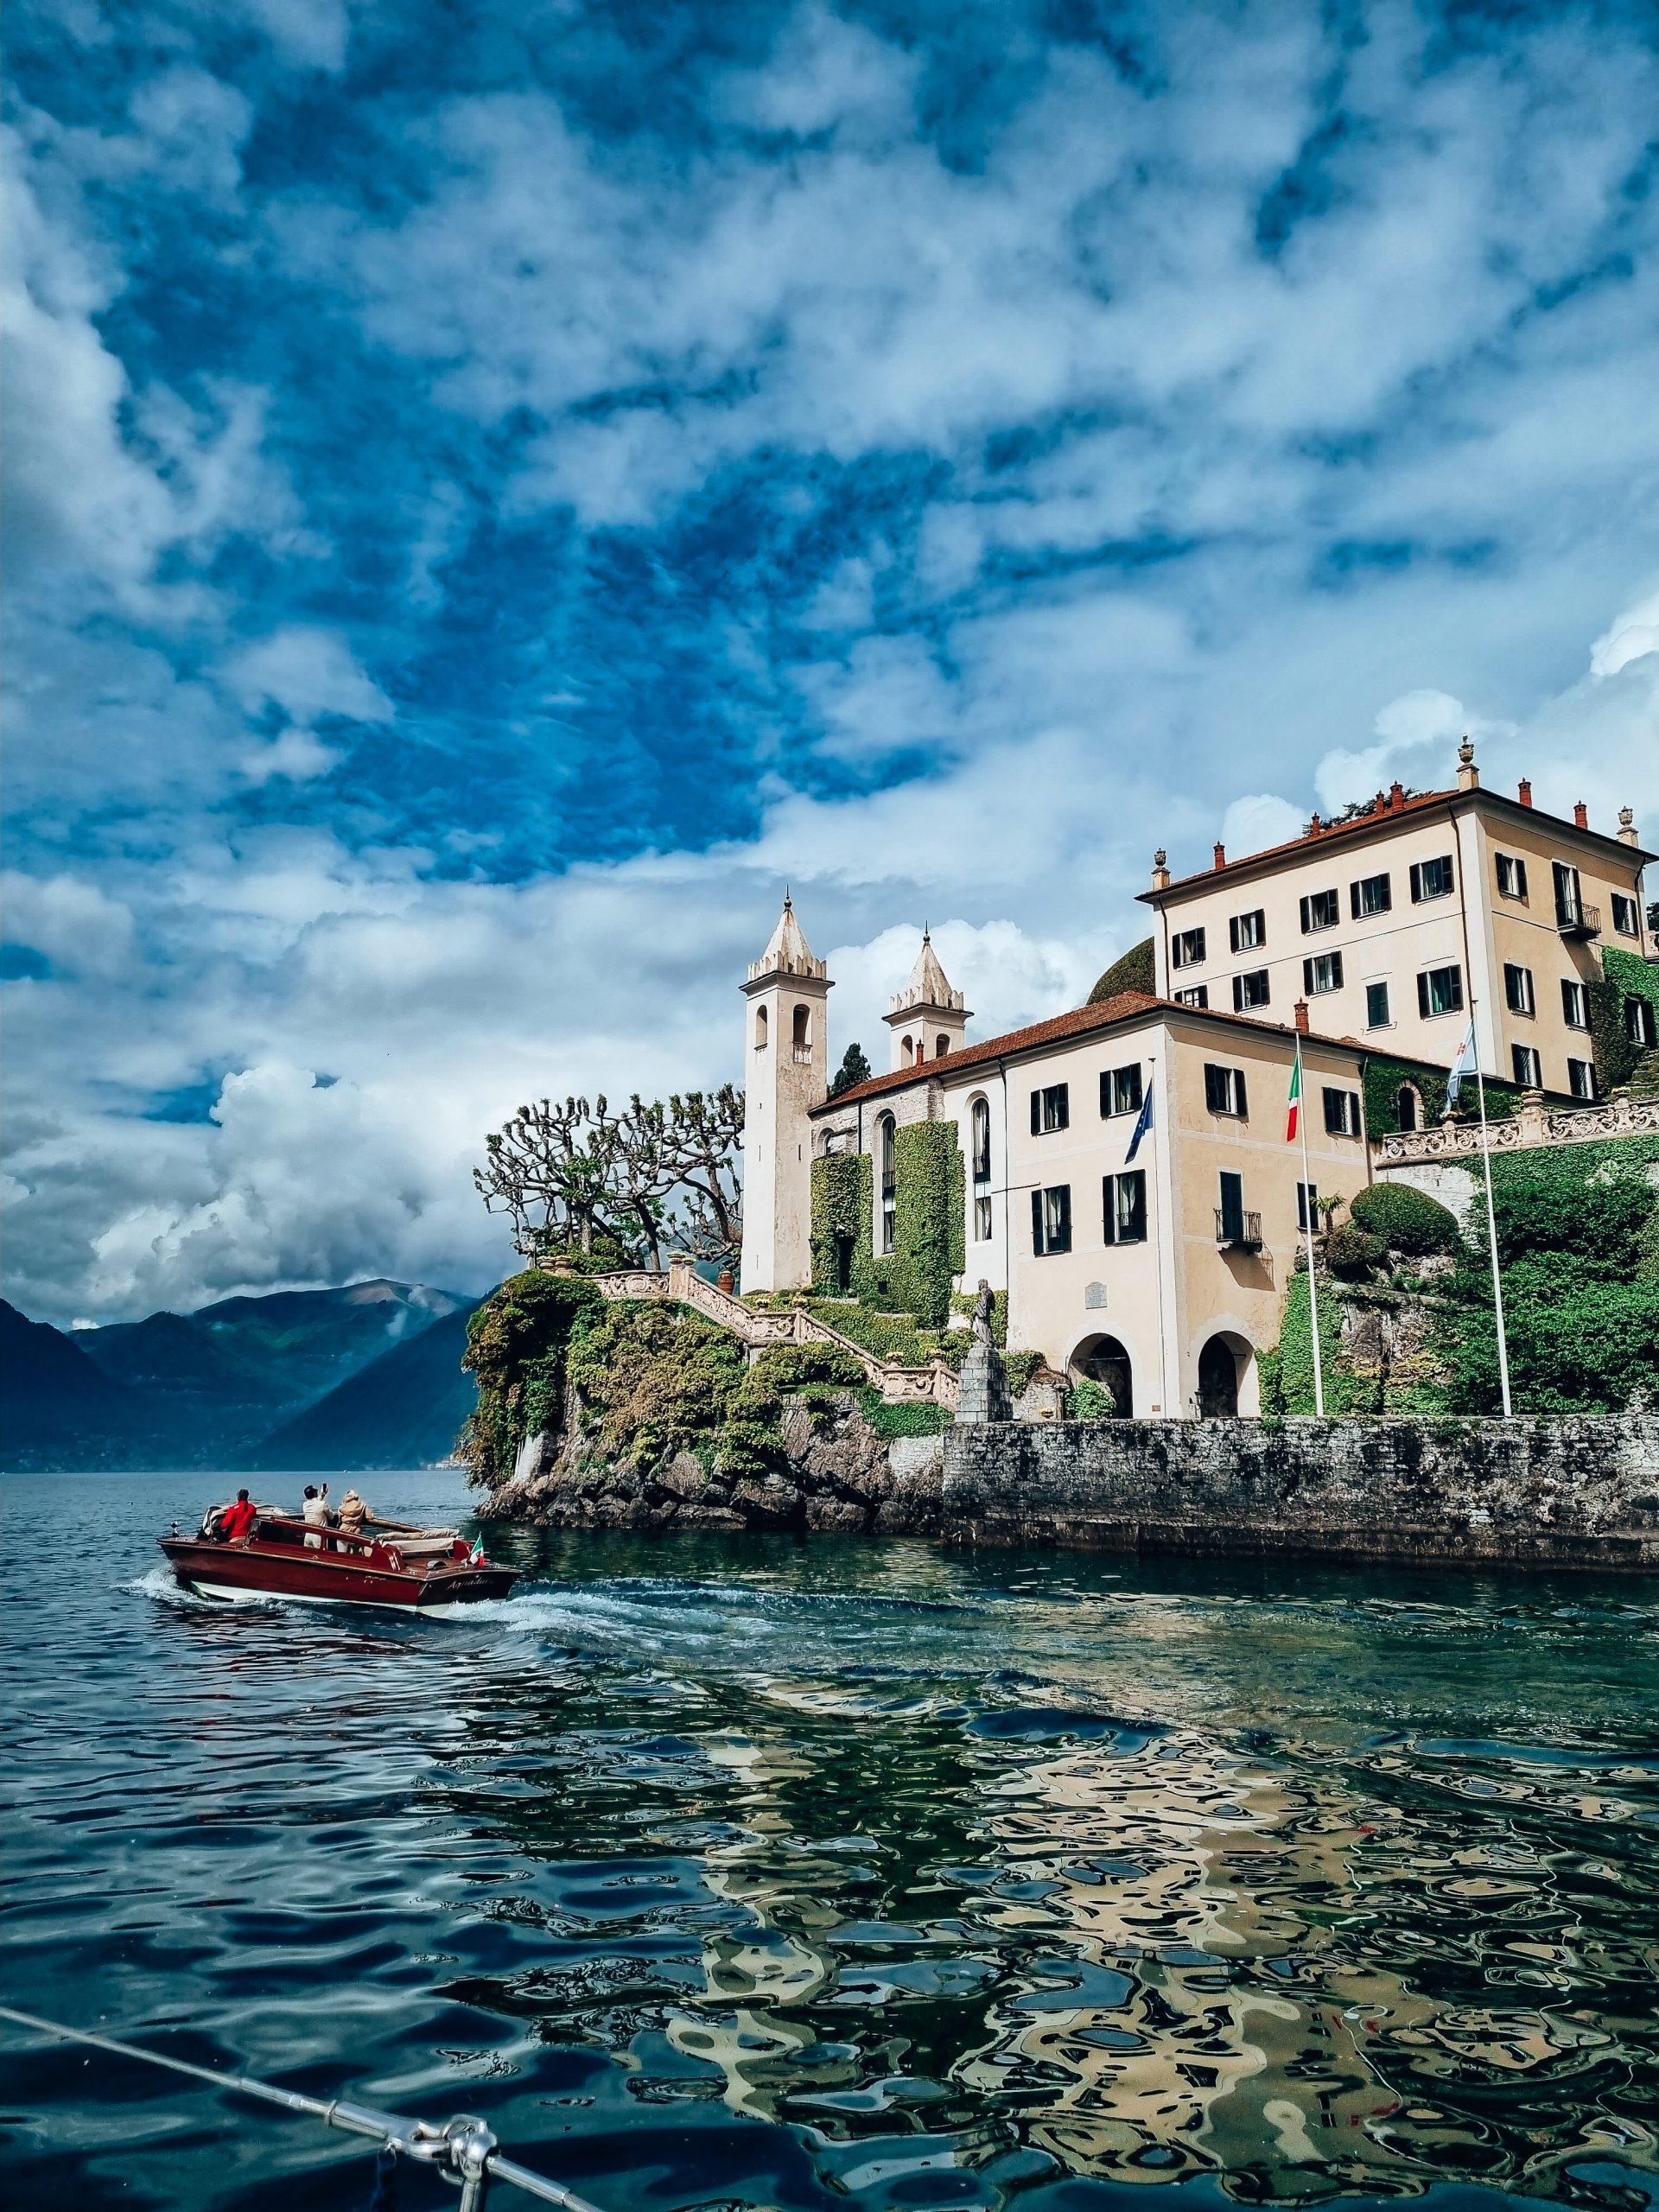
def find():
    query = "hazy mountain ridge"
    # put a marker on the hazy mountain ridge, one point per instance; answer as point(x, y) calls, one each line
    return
point(223, 1387)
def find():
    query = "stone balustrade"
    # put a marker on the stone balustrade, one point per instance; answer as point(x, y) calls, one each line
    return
point(1532, 1124)
point(935, 1384)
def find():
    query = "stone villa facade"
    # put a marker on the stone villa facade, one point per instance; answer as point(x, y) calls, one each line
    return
point(1373, 942)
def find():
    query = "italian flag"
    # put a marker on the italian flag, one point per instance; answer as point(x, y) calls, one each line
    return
point(1294, 1107)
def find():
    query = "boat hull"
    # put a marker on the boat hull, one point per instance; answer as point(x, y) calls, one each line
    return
point(243, 1574)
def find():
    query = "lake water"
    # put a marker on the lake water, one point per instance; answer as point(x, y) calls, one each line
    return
point(728, 1872)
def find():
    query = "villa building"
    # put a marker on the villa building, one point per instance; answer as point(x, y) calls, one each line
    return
point(1121, 1173)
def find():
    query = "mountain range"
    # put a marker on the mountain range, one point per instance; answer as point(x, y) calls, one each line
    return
point(368, 1376)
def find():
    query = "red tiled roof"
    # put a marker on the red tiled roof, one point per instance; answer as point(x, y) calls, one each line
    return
point(1328, 832)
point(1079, 1022)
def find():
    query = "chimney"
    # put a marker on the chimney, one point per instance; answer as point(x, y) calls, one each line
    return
point(1160, 870)
point(1468, 774)
point(1581, 814)
point(1301, 1015)
point(1627, 826)
point(1313, 827)
point(1526, 791)
point(1397, 795)
point(1221, 856)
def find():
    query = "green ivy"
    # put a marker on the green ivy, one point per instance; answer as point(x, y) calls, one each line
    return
point(964, 1301)
point(1293, 1384)
point(517, 1345)
point(1384, 1079)
point(1624, 975)
point(1136, 970)
point(929, 1195)
point(1019, 1367)
point(1089, 1400)
point(842, 1204)
point(891, 1422)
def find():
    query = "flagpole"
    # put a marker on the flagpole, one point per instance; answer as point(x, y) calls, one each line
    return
point(1307, 1209)
point(1492, 1222)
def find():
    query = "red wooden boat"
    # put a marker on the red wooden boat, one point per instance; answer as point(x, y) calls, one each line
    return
point(418, 1570)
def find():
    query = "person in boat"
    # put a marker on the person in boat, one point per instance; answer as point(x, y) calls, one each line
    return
point(314, 1513)
point(353, 1514)
point(237, 1520)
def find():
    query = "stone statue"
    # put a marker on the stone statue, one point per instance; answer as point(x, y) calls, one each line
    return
point(984, 1307)
point(984, 1391)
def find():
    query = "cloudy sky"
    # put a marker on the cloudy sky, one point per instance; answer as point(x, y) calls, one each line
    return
point(496, 490)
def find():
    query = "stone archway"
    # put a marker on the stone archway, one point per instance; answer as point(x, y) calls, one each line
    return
point(1105, 1360)
point(1222, 1371)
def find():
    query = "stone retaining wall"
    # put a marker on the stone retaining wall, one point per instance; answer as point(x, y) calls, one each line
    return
point(1569, 1492)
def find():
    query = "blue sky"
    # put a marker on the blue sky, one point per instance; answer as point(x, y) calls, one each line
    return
point(494, 492)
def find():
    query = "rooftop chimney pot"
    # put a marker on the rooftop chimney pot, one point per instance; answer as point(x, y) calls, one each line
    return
point(1581, 814)
point(1221, 856)
point(1526, 791)
point(1313, 827)
point(1301, 1015)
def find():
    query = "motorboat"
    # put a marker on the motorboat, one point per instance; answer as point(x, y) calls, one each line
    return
point(389, 1563)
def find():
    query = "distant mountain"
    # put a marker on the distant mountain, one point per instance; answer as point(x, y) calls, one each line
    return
point(207, 1388)
point(405, 1409)
point(56, 1407)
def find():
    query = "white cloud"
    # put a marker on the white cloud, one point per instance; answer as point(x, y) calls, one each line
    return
point(308, 673)
point(77, 927)
point(1631, 636)
point(1257, 821)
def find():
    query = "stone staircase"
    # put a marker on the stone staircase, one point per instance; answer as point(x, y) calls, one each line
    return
point(936, 1384)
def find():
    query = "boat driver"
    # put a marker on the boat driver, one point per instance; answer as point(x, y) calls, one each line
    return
point(237, 1520)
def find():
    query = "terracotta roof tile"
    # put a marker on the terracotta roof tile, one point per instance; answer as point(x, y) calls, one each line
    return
point(1328, 834)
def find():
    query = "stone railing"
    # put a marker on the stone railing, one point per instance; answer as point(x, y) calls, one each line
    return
point(935, 1384)
point(1532, 1124)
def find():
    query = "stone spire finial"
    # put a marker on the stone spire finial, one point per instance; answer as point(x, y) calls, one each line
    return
point(787, 952)
point(1468, 774)
point(1160, 870)
point(929, 985)
point(1626, 825)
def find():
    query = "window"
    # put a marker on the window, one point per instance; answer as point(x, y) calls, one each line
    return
point(1440, 991)
point(1123, 1207)
point(759, 1029)
point(1050, 1109)
point(1529, 1070)
point(1249, 990)
point(1318, 911)
point(1120, 1090)
point(1197, 994)
point(1370, 895)
point(1582, 1078)
point(1569, 896)
point(1575, 1005)
point(982, 1218)
point(1432, 880)
point(1341, 1112)
point(803, 1032)
point(981, 1140)
point(1408, 1108)
point(1377, 1015)
point(886, 1154)
point(1051, 1220)
point(1189, 948)
point(1639, 1021)
point(1627, 918)
point(1230, 1214)
point(1322, 972)
point(1307, 1203)
point(1223, 1091)
point(1511, 876)
point(1246, 932)
point(1518, 988)
point(941, 1046)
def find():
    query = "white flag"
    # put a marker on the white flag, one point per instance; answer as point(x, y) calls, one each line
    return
point(1463, 1066)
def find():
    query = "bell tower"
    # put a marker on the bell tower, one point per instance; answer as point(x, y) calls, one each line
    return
point(927, 1019)
point(786, 1062)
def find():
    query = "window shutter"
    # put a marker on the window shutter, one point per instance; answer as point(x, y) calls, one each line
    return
point(1422, 996)
point(1521, 879)
point(1065, 1239)
point(1063, 1115)
point(1037, 1120)
point(1417, 883)
point(1353, 900)
point(1307, 922)
point(1308, 978)
point(1240, 1105)
point(1336, 971)
point(1108, 1211)
point(1036, 1221)
point(1238, 994)
point(1232, 932)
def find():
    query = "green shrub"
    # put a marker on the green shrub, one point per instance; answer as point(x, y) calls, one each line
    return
point(517, 1344)
point(1089, 1400)
point(1134, 971)
point(1019, 1367)
point(891, 1422)
point(1353, 1252)
point(1404, 1219)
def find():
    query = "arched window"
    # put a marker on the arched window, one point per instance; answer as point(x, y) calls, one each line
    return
point(907, 1052)
point(886, 1159)
point(941, 1046)
point(1408, 1107)
point(803, 1032)
point(980, 1126)
point(759, 1029)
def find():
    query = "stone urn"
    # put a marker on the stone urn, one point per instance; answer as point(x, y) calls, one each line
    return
point(726, 1281)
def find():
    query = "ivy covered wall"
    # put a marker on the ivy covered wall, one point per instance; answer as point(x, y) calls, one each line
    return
point(843, 1194)
point(929, 1190)
point(1384, 1079)
point(1624, 975)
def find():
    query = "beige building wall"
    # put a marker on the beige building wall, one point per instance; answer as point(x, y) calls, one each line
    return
point(1472, 928)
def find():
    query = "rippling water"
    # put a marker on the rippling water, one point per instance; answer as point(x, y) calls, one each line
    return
point(739, 1872)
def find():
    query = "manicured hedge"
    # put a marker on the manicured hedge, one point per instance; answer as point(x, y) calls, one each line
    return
point(1406, 1220)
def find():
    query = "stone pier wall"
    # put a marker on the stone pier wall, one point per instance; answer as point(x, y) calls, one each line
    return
point(1567, 1492)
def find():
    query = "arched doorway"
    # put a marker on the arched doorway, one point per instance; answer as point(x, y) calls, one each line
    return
point(1105, 1360)
point(1219, 1377)
point(1408, 1108)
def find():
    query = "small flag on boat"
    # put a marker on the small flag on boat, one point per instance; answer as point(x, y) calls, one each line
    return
point(1141, 1128)
point(477, 1558)
point(1294, 1113)
point(1463, 1066)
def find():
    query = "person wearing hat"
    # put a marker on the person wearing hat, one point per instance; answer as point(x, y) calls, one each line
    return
point(353, 1514)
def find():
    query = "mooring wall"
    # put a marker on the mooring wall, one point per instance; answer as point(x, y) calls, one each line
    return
point(1571, 1492)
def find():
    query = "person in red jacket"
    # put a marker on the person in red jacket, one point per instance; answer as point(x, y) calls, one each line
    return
point(236, 1519)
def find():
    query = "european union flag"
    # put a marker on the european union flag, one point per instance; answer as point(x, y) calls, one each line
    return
point(1141, 1128)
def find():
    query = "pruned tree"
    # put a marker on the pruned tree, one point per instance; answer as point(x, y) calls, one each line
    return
point(549, 1171)
point(642, 1178)
point(704, 1136)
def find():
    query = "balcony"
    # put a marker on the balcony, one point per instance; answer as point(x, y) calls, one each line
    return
point(1575, 920)
point(1237, 1232)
